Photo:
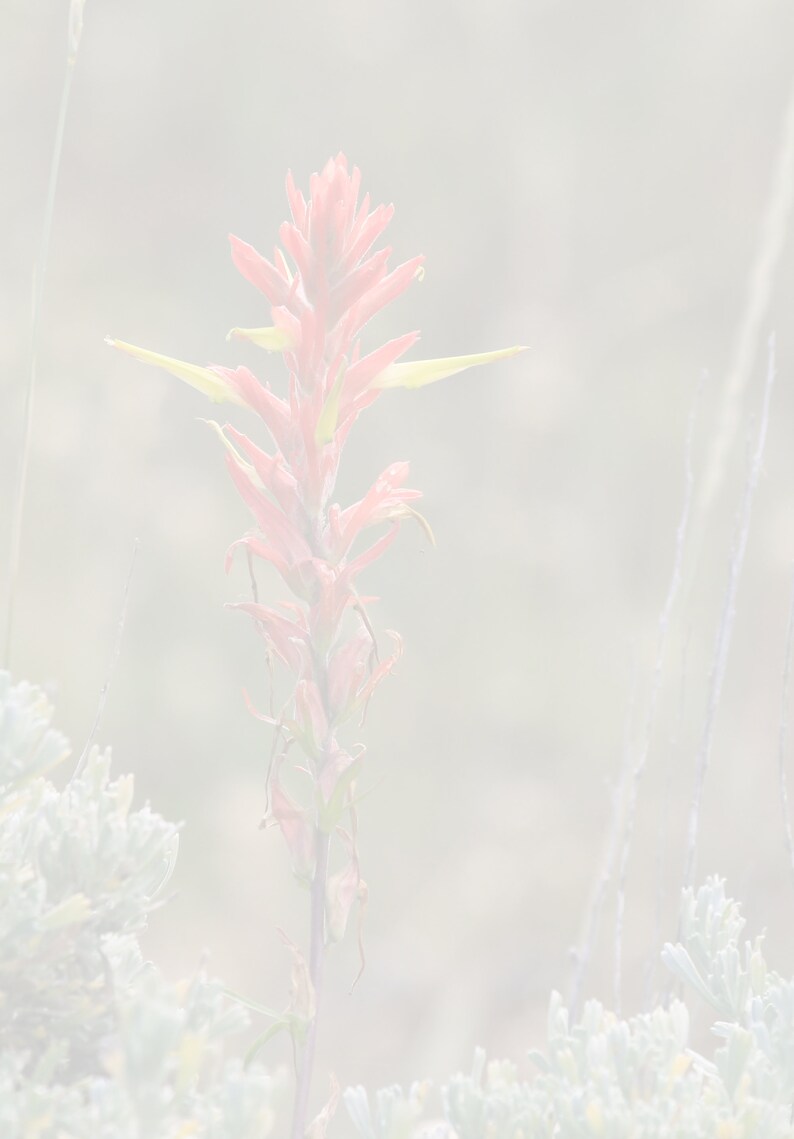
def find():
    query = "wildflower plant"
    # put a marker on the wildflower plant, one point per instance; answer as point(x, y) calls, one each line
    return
point(94, 1042)
point(325, 282)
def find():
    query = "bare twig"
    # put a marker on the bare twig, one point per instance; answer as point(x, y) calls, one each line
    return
point(725, 628)
point(74, 33)
point(656, 686)
point(103, 695)
point(663, 830)
point(759, 293)
point(784, 734)
point(582, 954)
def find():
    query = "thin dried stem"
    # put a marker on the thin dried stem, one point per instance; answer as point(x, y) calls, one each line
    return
point(725, 628)
point(583, 953)
point(656, 686)
point(74, 32)
point(760, 286)
point(783, 737)
point(663, 831)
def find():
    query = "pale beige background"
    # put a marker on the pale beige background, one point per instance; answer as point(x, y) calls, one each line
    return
point(586, 178)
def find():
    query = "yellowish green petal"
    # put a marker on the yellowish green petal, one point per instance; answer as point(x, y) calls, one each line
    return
point(331, 812)
point(206, 381)
point(417, 373)
point(326, 424)
point(281, 262)
point(274, 339)
point(235, 454)
point(409, 512)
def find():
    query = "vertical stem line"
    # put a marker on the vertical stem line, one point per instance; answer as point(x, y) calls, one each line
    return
point(725, 629)
point(781, 757)
point(38, 292)
point(316, 958)
point(656, 688)
point(760, 291)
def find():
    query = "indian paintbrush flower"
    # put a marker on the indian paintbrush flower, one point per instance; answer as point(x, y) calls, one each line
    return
point(323, 285)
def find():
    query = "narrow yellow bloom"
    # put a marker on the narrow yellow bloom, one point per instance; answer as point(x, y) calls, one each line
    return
point(235, 454)
point(274, 339)
point(206, 381)
point(417, 373)
point(326, 424)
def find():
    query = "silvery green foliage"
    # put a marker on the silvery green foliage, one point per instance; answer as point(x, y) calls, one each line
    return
point(710, 958)
point(76, 866)
point(755, 1003)
point(396, 1113)
point(93, 1041)
point(640, 1078)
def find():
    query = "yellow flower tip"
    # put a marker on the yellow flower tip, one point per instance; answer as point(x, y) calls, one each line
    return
point(216, 429)
point(219, 431)
point(326, 424)
point(407, 511)
point(205, 380)
point(419, 275)
point(418, 373)
point(273, 339)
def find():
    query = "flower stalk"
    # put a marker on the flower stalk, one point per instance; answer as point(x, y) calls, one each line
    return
point(325, 282)
point(316, 961)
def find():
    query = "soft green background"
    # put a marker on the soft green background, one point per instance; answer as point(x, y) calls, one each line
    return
point(586, 178)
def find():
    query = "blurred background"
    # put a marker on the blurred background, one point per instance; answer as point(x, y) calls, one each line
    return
point(589, 180)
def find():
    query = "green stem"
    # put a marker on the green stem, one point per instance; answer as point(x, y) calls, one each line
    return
point(38, 292)
point(316, 957)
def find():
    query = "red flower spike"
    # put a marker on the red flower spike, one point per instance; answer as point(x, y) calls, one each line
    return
point(325, 282)
point(336, 776)
point(381, 503)
point(296, 201)
point(299, 250)
point(357, 284)
point(310, 715)
point(362, 697)
point(258, 270)
point(274, 412)
point(354, 568)
point(295, 824)
point(347, 672)
point(342, 889)
point(369, 230)
point(274, 524)
point(361, 374)
point(383, 293)
point(273, 473)
point(260, 550)
point(290, 641)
